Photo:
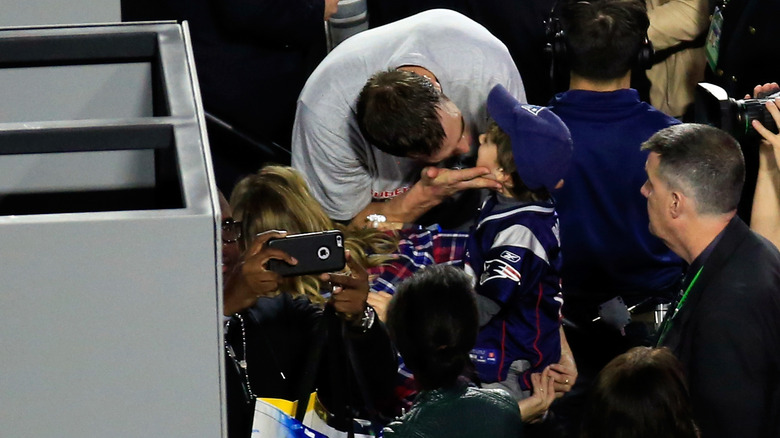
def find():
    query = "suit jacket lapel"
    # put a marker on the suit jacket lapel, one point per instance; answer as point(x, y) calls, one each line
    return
point(679, 337)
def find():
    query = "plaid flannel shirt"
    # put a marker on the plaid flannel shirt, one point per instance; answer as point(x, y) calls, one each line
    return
point(417, 248)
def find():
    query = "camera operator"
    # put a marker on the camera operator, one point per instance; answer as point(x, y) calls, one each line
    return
point(743, 33)
point(765, 215)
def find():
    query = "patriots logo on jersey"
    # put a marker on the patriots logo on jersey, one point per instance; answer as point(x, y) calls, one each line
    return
point(510, 256)
point(496, 269)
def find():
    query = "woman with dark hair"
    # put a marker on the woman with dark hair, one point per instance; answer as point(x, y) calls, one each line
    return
point(433, 321)
point(640, 394)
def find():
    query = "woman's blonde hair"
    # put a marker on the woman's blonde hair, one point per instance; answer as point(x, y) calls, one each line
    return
point(277, 198)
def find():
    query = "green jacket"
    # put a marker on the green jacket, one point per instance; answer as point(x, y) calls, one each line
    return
point(459, 411)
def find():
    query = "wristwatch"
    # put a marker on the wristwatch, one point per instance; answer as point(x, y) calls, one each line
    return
point(367, 319)
point(360, 321)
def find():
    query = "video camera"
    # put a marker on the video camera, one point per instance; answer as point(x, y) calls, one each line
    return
point(713, 106)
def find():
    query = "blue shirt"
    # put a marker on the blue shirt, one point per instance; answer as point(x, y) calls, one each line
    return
point(606, 246)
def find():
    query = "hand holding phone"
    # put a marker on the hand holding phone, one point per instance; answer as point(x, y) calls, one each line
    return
point(250, 279)
point(316, 253)
point(350, 289)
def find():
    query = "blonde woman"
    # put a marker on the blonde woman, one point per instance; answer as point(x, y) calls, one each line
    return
point(277, 198)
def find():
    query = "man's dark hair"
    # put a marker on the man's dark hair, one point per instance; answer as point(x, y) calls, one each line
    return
point(703, 162)
point(640, 394)
point(397, 112)
point(432, 320)
point(603, 37)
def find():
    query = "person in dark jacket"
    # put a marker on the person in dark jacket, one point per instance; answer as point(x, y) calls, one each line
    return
point(433, 321)
point(281, 346)
point(724, 325)
point(743, 35)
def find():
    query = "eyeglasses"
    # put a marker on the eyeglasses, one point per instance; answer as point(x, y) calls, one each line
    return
point(231, 231)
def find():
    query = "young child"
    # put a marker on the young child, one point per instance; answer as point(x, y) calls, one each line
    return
point(513, 252)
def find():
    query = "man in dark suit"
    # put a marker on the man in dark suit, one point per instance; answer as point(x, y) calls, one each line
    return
point(725, 325)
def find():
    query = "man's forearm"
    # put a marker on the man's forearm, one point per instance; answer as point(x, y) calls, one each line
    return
point(404, 208)
point(435, 185)
point(765, 216)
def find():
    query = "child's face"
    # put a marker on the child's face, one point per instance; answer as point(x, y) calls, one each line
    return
point(487, 156)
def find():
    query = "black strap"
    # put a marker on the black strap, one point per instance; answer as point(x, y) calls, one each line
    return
point(661, 55)
point(313, 365)
point(319, 334)
point(358, 372)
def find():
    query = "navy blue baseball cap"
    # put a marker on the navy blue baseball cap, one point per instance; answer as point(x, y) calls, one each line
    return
point(541, 142)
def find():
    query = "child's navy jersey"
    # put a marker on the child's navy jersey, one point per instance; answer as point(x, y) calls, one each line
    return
point(514, 253)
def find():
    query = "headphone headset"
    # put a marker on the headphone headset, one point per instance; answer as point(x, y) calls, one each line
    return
point(644, 58)
point(556, 49)
point(553, 32)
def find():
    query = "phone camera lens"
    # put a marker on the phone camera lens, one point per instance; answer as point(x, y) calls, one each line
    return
point(323, 253)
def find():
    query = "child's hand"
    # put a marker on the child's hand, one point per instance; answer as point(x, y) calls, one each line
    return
point(379, 301)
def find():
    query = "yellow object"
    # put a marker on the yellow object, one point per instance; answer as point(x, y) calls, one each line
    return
point(287, 406)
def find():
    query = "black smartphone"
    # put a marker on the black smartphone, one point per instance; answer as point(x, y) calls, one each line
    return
point(318, 252)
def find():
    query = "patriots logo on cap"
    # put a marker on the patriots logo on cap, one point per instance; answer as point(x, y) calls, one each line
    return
point(533, 109)
point(496, 269)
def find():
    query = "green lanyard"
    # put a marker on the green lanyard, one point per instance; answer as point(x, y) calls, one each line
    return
point(668, 323)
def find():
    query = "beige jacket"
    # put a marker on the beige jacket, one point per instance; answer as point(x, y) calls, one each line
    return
point(674, 79)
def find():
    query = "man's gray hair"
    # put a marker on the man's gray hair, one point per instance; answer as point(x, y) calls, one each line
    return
point(703, 162)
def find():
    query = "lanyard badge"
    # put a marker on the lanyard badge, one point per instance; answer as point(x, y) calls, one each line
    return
point(712, 45)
